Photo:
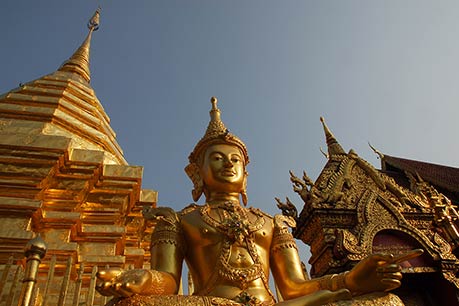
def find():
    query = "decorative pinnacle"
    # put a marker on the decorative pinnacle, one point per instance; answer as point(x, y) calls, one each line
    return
point(93, 23)
point(215, 112)
point(78, 63)
point(334, 148)
point(213, 101)
point(216, 125)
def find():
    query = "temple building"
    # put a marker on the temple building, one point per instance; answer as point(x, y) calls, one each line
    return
point(63, 178)
point(353, 210)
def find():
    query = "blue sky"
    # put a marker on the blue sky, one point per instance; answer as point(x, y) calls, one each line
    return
point(378, 71)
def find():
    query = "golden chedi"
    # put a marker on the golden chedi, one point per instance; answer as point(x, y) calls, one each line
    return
point(230, 249)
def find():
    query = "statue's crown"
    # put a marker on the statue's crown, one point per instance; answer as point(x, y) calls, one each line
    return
point(216, 133)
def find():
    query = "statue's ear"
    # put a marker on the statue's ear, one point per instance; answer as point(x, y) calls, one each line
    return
point(192, 170)
point(244, 189)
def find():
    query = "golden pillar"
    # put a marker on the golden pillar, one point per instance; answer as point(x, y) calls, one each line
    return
point(34, 251)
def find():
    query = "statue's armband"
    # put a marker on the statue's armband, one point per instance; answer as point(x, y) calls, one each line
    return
point(167, 230)
point(282, 238)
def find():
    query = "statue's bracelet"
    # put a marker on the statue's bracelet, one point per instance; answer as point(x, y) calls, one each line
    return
point(337, 281)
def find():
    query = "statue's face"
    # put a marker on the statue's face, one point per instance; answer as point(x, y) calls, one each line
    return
point(223, 168)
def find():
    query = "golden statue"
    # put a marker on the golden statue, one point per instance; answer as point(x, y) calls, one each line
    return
point(230, 249)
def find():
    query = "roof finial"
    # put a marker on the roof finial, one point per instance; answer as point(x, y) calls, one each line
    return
point(380, 155)
point(93, 23)
point(334, 148)
point(79, 62)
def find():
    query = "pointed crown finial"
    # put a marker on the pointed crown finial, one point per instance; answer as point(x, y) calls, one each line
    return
point(213, 101)
point(216, 133)
point(334, 148)
point(79, 62)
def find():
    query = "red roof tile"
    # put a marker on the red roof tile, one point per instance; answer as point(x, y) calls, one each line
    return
point(442, 176)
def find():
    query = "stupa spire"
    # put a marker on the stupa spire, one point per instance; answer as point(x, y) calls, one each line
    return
point(334, 148)
point(79, 62)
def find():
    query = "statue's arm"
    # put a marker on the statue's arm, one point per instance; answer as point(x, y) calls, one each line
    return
point(289, 276)
point(166, 265)
point(167, 252)
point(286, 265)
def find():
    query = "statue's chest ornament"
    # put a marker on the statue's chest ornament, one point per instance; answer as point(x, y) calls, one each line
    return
point(234, 224)
point(237, 229)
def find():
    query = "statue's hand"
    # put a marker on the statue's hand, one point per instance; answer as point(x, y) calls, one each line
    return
point(121, 283)
point(377, 273)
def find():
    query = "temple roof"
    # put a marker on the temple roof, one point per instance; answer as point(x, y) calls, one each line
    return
point(439, 175)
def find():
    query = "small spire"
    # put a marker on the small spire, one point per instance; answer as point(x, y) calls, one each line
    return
point(334, 148)
point(79, 62)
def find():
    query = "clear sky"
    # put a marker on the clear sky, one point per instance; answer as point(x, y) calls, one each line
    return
point(379, 71)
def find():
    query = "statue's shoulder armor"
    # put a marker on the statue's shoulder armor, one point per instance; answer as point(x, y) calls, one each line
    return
point(259, 212)
point(188, 209)
point(160, 213)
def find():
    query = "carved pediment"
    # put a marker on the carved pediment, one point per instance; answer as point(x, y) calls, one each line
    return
point(353, 210)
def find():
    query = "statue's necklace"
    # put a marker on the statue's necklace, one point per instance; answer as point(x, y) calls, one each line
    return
point(234, 222)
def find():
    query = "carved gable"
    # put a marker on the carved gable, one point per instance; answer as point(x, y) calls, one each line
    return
point(353, 210)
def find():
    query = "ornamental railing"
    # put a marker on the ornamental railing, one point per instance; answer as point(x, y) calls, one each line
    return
point(23, 283)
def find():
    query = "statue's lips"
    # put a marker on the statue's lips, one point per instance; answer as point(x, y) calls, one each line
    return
point(228, 173)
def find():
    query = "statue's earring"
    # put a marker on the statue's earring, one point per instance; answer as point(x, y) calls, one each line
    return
point(192, 170)
point(244, 189)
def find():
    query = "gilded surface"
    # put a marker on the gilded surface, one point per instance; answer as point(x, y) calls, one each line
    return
point(68, 180)
point(174, 300)
point(380, 299)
